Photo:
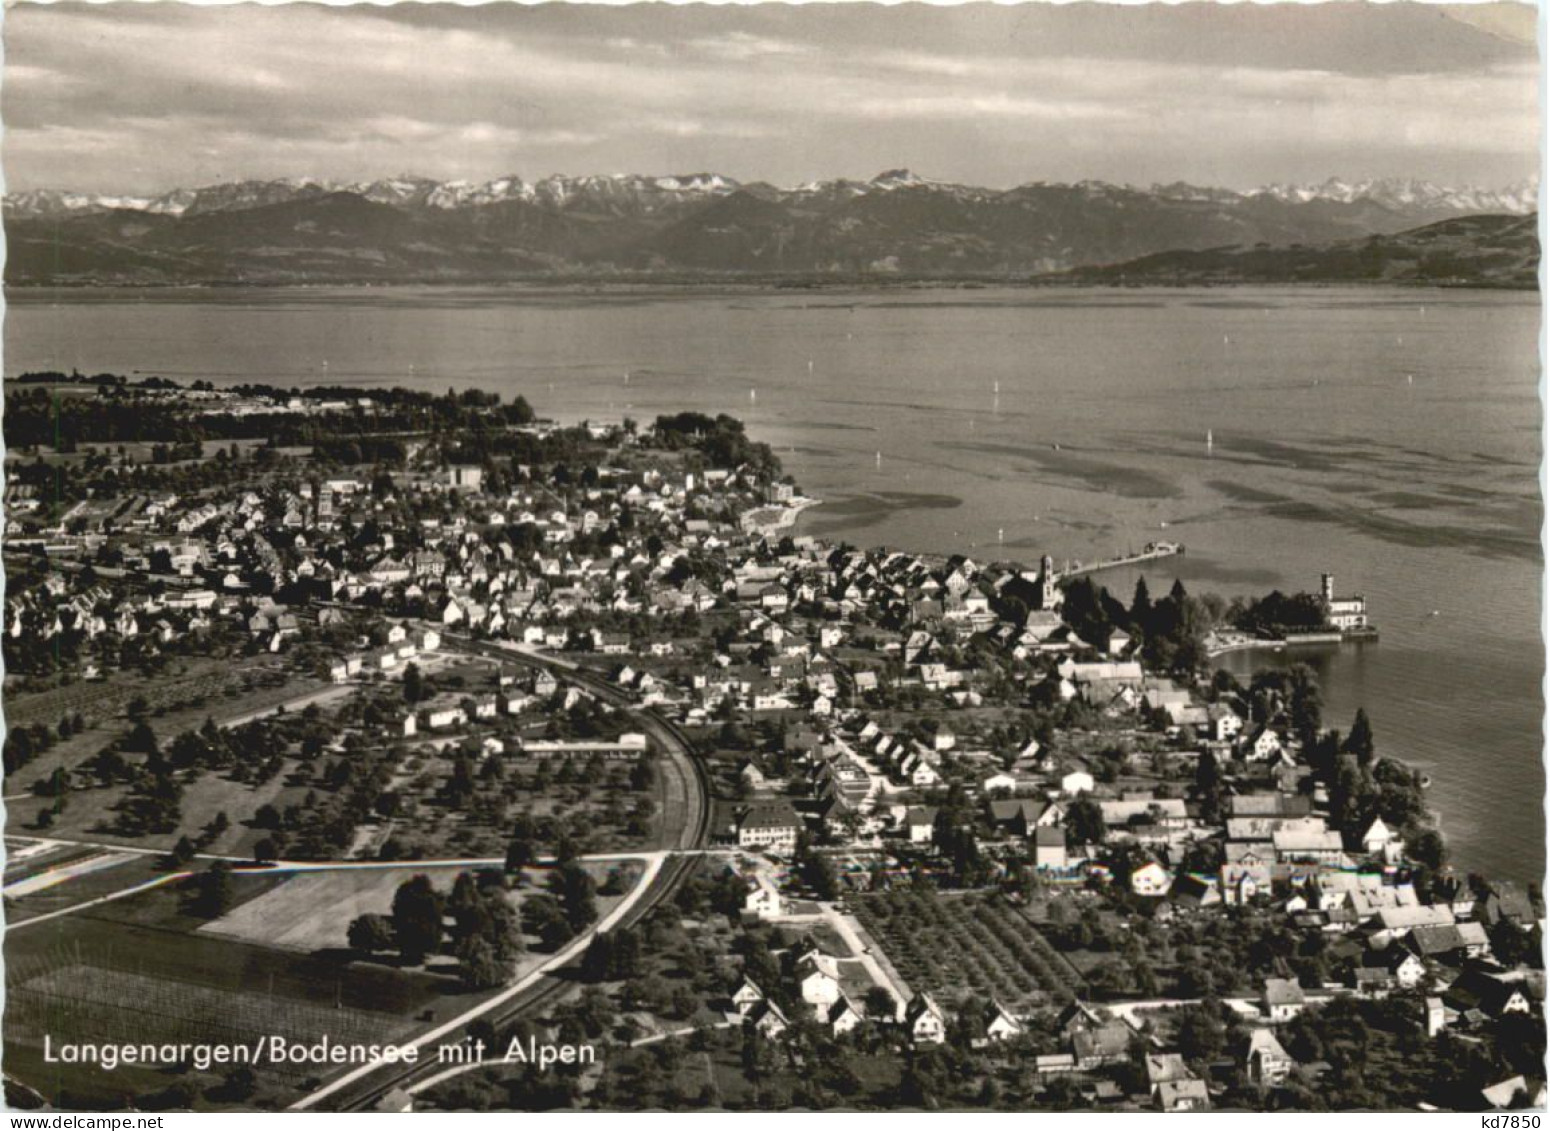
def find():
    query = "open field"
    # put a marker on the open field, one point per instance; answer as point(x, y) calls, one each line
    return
point(141, 970)
point(970, 944)
point(80, 888)
point(102, 1004)
point(312, 911)
point(98, 976)
point(74, 868)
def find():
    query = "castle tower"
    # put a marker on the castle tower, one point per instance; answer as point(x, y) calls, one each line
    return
point(1328, 586)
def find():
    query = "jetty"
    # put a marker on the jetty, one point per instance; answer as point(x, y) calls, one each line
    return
point(1152, 552)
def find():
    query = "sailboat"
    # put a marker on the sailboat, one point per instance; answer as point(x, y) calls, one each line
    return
point(1210, 442)
point(753, 396)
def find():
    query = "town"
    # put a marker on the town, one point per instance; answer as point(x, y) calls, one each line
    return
point(438, 720)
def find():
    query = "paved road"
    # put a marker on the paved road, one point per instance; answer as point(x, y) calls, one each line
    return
point(521, 986)
point(135, 890)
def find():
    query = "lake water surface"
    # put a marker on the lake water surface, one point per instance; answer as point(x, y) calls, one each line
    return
point(1390, 437)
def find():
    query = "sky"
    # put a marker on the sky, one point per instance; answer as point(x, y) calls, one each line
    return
point(140, 98)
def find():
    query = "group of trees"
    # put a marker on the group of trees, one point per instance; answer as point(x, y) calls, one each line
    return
point(485, 936)
point(565, 909)
point(209, 894)
point(1276, 613)
point(1169, 634)
point(23, 743)
point(722, 440)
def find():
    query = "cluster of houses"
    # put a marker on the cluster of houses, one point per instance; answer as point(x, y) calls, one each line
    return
point(825, 639)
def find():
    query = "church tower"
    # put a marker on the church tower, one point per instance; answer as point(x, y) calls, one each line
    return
point(1049, 593)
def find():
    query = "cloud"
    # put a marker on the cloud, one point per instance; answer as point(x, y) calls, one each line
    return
point(141, 97)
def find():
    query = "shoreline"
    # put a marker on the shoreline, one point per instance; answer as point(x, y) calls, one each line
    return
point(785, 517)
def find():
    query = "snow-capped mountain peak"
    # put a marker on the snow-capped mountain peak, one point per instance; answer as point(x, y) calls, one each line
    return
point(638, 194)
point(1406, 194)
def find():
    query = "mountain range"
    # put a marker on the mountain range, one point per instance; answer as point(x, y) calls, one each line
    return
point(411, 229)
point(1480, 251)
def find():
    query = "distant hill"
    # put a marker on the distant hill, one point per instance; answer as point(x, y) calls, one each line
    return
point(690, 226)
point(1477, 251)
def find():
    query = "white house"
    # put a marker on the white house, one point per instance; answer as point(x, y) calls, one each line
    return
point(925, 1021)
point(1151, 879)
point(763, 900)
point(1078, 781)
point(818, 979)
point(1283, 999)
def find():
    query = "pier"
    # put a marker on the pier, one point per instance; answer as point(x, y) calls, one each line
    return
point(1152, 552)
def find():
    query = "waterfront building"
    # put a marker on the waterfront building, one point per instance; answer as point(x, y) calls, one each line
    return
point(1342, 612)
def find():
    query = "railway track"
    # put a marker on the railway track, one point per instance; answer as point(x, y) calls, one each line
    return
point(555, 985)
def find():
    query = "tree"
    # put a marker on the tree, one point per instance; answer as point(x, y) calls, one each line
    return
point(182, 853)
point(1428, 848)
point(1510, 944)
point(414, 684)
point(1359, 741)
point(542, 915)
point(417, 919)
point(1200, 1036)
point(519, 853)
point(141, 739)
point(212, 891)
point(1141, 605)
point(482, 967)
point(1306, 708)
point(577, 892)
point(879, 1004)
point(1084, 823)
point(371, 933)
point(266, 817)
point(1208, 787)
